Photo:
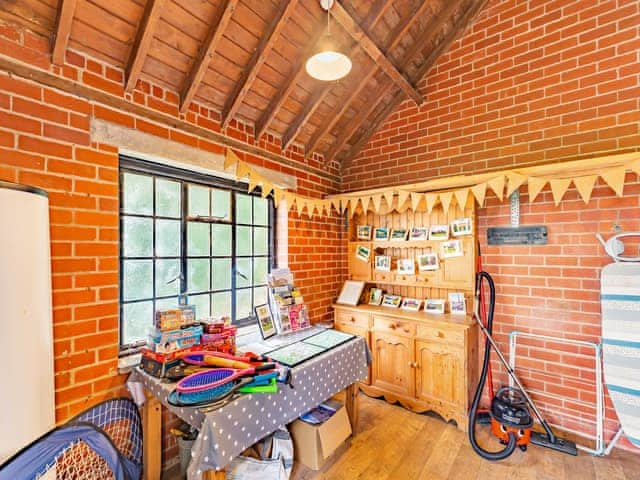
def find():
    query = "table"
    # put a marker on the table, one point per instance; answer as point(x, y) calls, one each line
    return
point(226, 432)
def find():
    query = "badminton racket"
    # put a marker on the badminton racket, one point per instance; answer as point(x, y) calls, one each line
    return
point(216, 377)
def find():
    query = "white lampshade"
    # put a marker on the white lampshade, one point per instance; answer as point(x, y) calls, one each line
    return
point(328, 63)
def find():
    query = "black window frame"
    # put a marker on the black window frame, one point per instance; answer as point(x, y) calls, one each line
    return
point(186, 177)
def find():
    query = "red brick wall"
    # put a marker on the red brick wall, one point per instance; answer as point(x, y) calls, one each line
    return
point(527, 83)
point(45, 141)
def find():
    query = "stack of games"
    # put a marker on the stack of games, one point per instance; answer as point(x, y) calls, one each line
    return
point(219, 336)
point(287, 305)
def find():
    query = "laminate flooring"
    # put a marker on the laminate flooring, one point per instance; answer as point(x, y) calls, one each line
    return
point(392, 443)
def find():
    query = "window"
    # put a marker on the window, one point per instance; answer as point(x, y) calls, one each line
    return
point(186, 232)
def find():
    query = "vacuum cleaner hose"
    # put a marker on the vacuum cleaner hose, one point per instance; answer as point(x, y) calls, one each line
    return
point(511, 444)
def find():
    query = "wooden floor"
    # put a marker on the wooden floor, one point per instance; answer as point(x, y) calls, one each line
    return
point(393, 443)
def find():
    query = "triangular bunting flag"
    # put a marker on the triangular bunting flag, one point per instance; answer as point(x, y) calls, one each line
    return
point(277, 196)
point(615, 179)
point(431, 199)
point(253, 183)
point(345, 203)
point(635, 166)
point(402, 198)
point(388, 196)
point(535, 186)
point(267, 188)
point(479, 192)
point(335, 203)
point(242, 170)
point(416, 198)
point(365, 203)
point(355, 202)
point(461, 197)
point(558, 188)
point(230, 159)
point(497, 185)
point(584, 185)
point(514, 180)
point(376, 200)
point(445, 199)
point(290, 198)
point(326, 208)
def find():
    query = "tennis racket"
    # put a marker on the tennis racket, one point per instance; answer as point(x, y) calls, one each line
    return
point(217, 395)
point(217, 377)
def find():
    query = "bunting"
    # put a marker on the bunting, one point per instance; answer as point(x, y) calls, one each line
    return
point(514, 181)
point(559, 187)
point(497, 185)
point(614, 177)
point(431, 200)
point(585, 185)
point(479, 192)
point(461, 197)
point(376, 200)
point(445, 199)
point(388, 197)
point(416, 198)
point(535, 187)
point(402, 198)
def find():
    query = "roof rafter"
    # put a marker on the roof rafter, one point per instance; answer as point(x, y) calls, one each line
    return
point(376, 13)
point(63, 30)
point(258, 58)
point(205, 55)
point(150, 17)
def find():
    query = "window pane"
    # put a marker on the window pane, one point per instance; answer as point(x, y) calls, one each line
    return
point(198, 275)
point(138, 194)
point(167, 198)
point(244, 242)
point(220, 203)
point(259, 296)
point(167, 238)
point(137, 279)
point(260, 211)
point(167, 303)
point(198, 201)
point(221, 274)
point(137, 237)
point(260, 270)
point(167, 271)
point(260, 241)
point(201, 302)
point(197, 239)
point(244, 276)
point(221, 304)
point(221, 238)
point(243, 303)
point(243, 208)
point(136, 320)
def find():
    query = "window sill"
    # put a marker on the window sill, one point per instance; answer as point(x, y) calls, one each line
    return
point(126, 363)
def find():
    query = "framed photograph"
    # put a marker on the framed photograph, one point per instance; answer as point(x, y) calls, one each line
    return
point(406, 266)
point(457, 304)
point(382, 263)
point(375, 296)
point(364, 232)
point(419, 233)
point(460, 227)
point(381, 234)
point(362, 253)
point(265, 321)
point(296, 353)
point(439, 232)
point(351, 291)
point(452, 248)
point(428, 261)
point(434, 305)
point(398, 235)
point(411, 304)
point(389, 300)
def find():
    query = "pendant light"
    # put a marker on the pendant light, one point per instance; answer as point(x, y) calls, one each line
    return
point(328, 63)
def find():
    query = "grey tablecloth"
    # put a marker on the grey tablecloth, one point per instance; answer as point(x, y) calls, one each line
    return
point(226, 432)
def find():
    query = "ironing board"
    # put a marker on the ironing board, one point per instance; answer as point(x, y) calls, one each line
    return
point(620, 296)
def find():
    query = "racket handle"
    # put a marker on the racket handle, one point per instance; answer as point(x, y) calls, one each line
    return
point(265, 366)
point(215, 361)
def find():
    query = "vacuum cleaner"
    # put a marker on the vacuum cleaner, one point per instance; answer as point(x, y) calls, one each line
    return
point(511, 420)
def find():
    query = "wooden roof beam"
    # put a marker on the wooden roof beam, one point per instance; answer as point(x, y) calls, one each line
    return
point(260, 54)
point(63, 30)
point(376, 13)
point(201, 64)
point(150, 17)
point(368, 45)
point(400, 30)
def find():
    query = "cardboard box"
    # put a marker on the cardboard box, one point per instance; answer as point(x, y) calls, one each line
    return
point(313, 444)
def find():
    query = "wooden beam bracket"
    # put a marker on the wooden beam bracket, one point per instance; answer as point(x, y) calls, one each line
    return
point(63, 30)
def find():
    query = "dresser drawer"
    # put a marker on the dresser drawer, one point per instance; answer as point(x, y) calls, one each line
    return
point(444, 335)
point(382, 276)
point(394, 326)
point(404, 278)
point(355, 319)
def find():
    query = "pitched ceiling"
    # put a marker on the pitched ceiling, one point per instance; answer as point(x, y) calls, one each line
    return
point(245, 58)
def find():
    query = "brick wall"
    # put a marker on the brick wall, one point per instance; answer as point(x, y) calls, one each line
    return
point(45, 141)
point(528, 83)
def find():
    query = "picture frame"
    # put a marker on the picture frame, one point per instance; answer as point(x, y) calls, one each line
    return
point(434, 306)
point(407, 266)
point(457, 303)
point(419, 233)
point(392, 301)
point(265, 321)
point(363, 253)
point(439, 232)
point(375, 296)
point(381, 234)
point(382, 263)
point(398, 235)
point(428, 262)
point(350, 293)
point(461, 227)
point(411, 304)
point(364, 232)
point(451, 248)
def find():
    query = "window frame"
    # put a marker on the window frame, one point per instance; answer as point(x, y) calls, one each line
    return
point(185, 177)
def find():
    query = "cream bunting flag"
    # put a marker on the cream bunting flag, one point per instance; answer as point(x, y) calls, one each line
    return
point(388, 196)
point(253, 182)
point(335, 203)
point(242, 170)
point(277, 196)
point(290, 198)
point(416, 198)
point(345, 204)
point(230, 159)
point(615, 179)
point(354, 205)
point(402, 198)
point(585, 185)
point(445, 199)
point(479, 191)
point(497, 185)
point(267, 188)
point(376, 200)
point(535, 186)
point(635, 166)
point(558, 188)
point(514, 181)
point(461, 197)
point(365, 203)
point(431, 199)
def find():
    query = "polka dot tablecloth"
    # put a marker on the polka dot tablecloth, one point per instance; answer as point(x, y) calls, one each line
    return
point(226, 432)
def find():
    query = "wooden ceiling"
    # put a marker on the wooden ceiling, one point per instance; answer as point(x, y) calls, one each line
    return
point(245, 58)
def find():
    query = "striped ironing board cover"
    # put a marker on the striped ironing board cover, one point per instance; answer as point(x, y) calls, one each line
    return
point(620, 296)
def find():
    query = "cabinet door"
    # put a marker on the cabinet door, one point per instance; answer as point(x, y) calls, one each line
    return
point(363, 332)
point(440, 372)
point(358, 268)
point(392, 368)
